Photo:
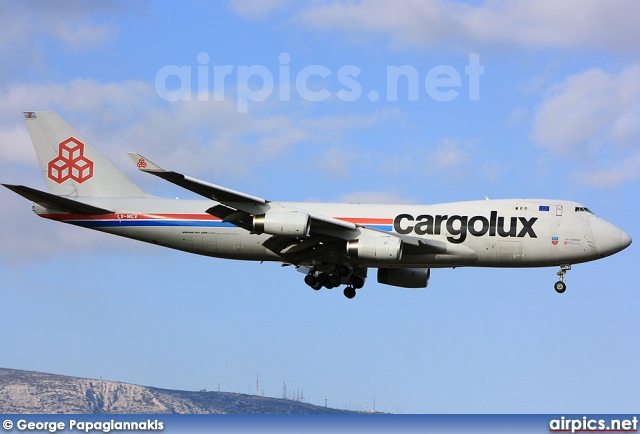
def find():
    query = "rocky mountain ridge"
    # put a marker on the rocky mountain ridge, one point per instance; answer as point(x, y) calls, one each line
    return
point(27, 392)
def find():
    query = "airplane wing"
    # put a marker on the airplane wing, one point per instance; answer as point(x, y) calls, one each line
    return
point(235, 205)
point(325, 234)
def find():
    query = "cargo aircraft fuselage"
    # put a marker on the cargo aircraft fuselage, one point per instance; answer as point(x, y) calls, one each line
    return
point(332, 243)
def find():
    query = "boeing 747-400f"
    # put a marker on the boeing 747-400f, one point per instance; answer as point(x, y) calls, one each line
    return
point(334, 244)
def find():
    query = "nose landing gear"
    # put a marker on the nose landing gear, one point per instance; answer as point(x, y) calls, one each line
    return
point(560, 286)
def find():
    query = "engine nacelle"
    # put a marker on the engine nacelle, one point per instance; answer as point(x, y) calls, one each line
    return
point(405, 277)
point(382, 248)
point(292, 223)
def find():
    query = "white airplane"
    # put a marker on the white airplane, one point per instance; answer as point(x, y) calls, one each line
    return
point(332, 243)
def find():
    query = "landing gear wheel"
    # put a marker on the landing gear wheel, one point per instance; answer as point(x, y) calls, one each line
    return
point(342, 270)
point(349, 292)
point(560, 287)
point(334, 280)
point(310, 280)
point(357, 282)
point(323, 279)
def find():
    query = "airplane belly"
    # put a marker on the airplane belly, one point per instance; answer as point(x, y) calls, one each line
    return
point(229, 243)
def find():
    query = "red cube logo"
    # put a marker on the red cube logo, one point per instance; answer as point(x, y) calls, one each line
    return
point(70, 163)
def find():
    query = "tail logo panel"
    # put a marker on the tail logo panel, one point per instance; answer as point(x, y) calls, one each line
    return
point(70, 163)
point(142, 164)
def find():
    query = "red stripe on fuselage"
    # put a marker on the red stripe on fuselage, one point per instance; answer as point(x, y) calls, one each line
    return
point(129, 216)
point(366, 221)
point(208, 217)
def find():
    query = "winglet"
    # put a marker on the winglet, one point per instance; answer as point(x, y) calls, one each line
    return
point(144, 164)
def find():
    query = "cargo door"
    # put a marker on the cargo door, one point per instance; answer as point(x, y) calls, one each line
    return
point(509, 251)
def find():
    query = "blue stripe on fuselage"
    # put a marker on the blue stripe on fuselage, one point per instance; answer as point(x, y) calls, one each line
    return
point(149, 223)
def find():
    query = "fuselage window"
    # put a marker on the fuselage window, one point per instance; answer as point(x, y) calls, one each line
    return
point(583, 209)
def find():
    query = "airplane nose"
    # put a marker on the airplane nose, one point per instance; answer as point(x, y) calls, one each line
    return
point(609, 238)
point(625, 239)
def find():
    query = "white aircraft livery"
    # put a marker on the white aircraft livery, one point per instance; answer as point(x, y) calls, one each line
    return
point(333, 244)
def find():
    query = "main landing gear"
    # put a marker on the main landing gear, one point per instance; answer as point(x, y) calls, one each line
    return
point(355, 283)
point(330, 279)
point(560, 286)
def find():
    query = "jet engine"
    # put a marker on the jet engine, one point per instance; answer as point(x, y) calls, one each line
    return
point(405, 277)
point(383, 248)
point(292, 223)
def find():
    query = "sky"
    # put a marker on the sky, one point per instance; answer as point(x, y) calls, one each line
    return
point(349, 101)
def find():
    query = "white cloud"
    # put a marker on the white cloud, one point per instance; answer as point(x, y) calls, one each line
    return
point(76, 24)
point(582, 24)
point(258, 9)
point(12, 149)
point(336, 162)
point(196, 135)
point(84, 35)
point(449, 157)
point(72, 22)
point(128, 116)
point(593, 119)
point(624, 171)
point(590, 111)
point(450, 154)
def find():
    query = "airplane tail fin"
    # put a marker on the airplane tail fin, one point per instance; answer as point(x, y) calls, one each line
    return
point(70, 164)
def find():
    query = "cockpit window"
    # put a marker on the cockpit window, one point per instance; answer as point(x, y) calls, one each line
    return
point(583, 209)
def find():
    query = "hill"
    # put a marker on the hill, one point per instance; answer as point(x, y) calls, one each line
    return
point(28, 392)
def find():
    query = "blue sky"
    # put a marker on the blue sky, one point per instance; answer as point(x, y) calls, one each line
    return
point(556, 115)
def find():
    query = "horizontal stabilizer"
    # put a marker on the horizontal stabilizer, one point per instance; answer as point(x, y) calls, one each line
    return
point(58, 203)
